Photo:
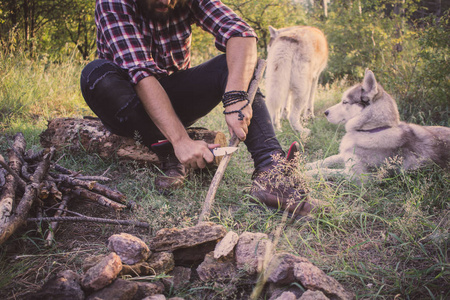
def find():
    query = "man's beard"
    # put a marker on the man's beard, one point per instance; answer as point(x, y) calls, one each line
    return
point(151, 9)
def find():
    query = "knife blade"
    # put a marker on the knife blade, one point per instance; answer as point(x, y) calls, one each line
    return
point(221, 151)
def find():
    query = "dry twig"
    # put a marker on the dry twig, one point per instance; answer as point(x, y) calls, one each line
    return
point(90, 219)
point(34, 175)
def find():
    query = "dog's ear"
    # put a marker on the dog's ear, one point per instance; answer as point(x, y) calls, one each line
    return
point(273, 32)
point(369, 87)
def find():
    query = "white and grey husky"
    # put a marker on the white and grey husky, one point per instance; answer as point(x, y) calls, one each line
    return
point(374, 134)
point(297, 56)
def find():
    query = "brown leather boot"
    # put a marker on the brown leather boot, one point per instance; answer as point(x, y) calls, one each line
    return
point(274, 186)
point(173, 172)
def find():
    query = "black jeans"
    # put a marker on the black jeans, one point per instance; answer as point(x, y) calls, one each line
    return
point(193, 93)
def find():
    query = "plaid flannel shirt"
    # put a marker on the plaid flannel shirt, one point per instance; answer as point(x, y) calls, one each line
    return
point(144, 47)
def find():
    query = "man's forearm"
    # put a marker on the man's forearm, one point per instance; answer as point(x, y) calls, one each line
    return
point(241, 61)
point(158, 106)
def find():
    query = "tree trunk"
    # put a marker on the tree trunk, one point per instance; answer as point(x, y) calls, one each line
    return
point(399, 10)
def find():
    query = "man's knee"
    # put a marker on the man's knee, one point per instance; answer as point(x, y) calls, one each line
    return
point(97, 70)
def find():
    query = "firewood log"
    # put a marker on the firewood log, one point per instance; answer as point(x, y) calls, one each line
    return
point(86, 194)
point(95, 187)
point(25, 204)
point(90, 135)
point(11, 181)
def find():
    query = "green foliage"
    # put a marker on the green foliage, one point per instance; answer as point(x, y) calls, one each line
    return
point(203, 47)
point(380, 240)
point(261, 13)
point(384, 240)
point(409, 56)
point(47, 26)
point(75, 26)
point(428, 83)
point(33, 91)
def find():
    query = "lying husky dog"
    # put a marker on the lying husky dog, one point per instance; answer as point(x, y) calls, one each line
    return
point(375, 134)
point(297, 56)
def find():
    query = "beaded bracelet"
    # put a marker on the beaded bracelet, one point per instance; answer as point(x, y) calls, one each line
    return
point(233, 97)
point(239, 111)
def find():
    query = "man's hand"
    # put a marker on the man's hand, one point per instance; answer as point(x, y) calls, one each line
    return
point(194, 153)
point(241, 60)
point(236, 126)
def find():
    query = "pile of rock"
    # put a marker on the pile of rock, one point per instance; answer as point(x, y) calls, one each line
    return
point(201, 254)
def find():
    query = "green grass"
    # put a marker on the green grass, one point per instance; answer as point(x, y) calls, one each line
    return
point(383, 240)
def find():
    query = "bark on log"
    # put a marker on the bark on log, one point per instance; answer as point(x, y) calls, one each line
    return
point(90, 135)
point(95, 187)
point(54, 225)
point(11, 182)
point(98, 198)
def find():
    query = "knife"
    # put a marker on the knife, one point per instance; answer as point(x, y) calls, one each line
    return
point(223, 150)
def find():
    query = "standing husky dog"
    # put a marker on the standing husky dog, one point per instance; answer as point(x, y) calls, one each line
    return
point(375, 134)
point(297, 56)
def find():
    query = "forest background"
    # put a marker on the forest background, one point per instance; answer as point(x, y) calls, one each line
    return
point(405, 42)
point(386, 240)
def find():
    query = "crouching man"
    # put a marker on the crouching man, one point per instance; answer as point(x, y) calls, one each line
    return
point(142, 84)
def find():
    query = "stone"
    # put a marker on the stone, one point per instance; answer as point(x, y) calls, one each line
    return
point(226, 246)
point(286, 296)
point(156, 297)
point(274, 291)
point(170, 239)
point(251, 250)
point(91, 261)
point(311, 277)
point(281, 268)
point(193, 256)
point(158, 263)
point(102, 274)
point(180, 277)
point(119, 290)
point(146, 289)
point(212, 269)
point(313, 295)
point(139, 269)
point(161, 262)
point(65, 285)
point(131, 249)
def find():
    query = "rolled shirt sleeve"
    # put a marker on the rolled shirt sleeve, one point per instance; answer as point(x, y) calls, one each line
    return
point(217, 18)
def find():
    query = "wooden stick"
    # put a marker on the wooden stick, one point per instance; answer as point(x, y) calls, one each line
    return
point(36, 156)
point(90, 219)
point(86, 194)
point(12, 180)
point(25, 204)
point(42, 169)
point(93, 178)
point(2, 177)
point(49, 240)
point(234, 141)
point(19, 180)
point(94, 186)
